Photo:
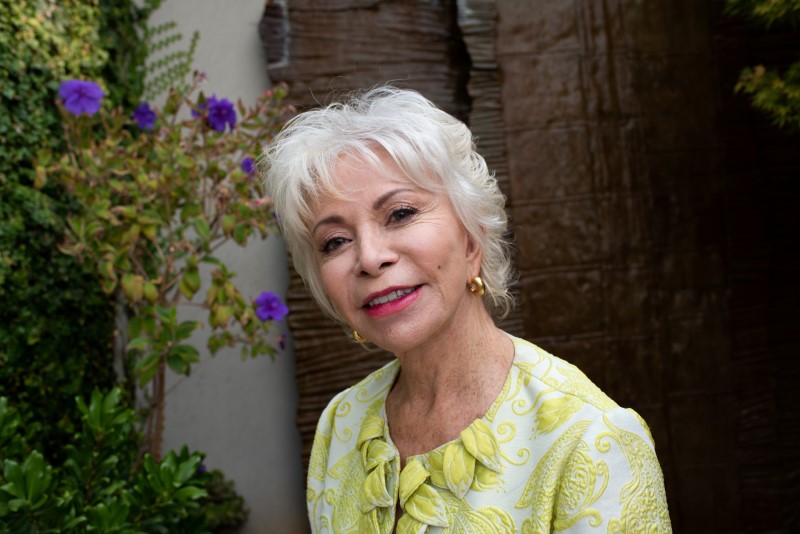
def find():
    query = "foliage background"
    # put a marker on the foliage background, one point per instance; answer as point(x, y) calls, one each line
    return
point(56, 327)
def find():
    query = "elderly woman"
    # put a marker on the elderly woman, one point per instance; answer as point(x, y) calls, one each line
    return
point(398, 229)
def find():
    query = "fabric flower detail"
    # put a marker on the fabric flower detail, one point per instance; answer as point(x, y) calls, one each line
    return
point(459, 466)
point(378, 458)
point(422, 504)
point(80, 96)
point(144, 116)
point(479, 441)
point(269, 307)
point(248, 165)
point(375, 454)
point(473, 462)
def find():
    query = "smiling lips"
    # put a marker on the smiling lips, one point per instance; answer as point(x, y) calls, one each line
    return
point(394, 295)
point(391, 302)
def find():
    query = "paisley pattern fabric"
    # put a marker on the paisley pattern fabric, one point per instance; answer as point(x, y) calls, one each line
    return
point(552, 454)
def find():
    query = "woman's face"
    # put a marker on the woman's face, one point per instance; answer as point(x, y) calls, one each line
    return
point(393, 258)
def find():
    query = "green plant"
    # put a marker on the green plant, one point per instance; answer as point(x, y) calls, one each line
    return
point(99, 487)
point(170, 69)
point(222, 507)
point(123, 30)
point(775, 93)
point(55, 323)
point(162, 194)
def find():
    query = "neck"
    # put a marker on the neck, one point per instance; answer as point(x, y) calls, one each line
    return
point(465, 361)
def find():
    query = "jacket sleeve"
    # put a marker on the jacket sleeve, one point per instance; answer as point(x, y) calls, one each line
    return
point(318, 463)
point(612, 482)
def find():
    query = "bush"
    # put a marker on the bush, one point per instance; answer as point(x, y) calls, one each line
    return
point(101, 485)
point(55, 323)
point(771, 91)
point(162, 194)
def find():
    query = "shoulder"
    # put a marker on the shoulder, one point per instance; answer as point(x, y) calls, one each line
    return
point(335, 470)
point(550, 373)
point(367, 396)
point(342, 417)
point(558, 383)
point(598, 454)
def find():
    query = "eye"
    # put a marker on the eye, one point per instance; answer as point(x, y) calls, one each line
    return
point(401, 214)
point(330, 245)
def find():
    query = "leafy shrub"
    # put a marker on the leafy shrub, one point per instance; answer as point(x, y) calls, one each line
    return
point(771, 91)
point(102, 485)
point(55, 324)
point(161, 195)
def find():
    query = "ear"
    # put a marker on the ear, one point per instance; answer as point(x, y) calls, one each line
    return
point(474, 257)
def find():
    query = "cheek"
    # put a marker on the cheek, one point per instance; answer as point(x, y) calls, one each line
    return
point(334, 282)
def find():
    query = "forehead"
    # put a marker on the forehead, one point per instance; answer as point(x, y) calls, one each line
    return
point(357, 176)
point(353, 174)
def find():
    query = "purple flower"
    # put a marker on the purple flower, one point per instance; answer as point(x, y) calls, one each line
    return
point(248, 165)
point(269, 307)
point(220, 113)
point(144, 116)
point(81, 97)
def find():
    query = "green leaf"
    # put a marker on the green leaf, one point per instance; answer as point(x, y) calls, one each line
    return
point(149, 218)
point(202, 229)
point(185, 329)
point(228, 223)
point(146, 368)
point(138, 343)
point(210, 259)
point(167, 315)
point(150, 291)
point(28, 482)
point(133, 287)
point(187, 353)
point(185, 162)
point(190, 283)
point(177, 364)
point(190, 211)
point(241, 233)
point(189, 493)
point(187, 469)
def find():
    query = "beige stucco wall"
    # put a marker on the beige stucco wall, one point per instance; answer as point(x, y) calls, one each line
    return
point(241, 413)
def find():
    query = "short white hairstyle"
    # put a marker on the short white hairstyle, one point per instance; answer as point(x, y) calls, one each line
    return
point(433, 149)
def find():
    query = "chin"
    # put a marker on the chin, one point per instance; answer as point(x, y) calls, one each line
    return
point(399, 339)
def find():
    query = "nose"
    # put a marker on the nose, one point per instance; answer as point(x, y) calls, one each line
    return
point(375, 253)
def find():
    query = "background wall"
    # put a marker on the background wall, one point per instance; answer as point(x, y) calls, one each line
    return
point(241, 413)
point(652, 211)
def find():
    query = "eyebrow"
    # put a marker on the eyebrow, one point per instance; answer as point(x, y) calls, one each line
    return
point(378, 204)
point(386, 196)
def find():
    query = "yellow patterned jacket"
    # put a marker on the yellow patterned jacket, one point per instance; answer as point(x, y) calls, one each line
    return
point(552, 454)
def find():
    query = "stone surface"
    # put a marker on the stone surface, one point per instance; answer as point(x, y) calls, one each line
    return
point(653, 212)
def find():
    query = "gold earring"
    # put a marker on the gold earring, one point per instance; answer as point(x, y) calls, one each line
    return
point(476, 286)
point(358, 337)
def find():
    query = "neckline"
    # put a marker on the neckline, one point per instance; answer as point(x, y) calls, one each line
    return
point(498, 400)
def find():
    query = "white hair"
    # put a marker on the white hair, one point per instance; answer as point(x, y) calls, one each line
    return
point(433, 149)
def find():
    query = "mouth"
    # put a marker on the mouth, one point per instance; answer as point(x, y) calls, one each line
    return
point(391, 295)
